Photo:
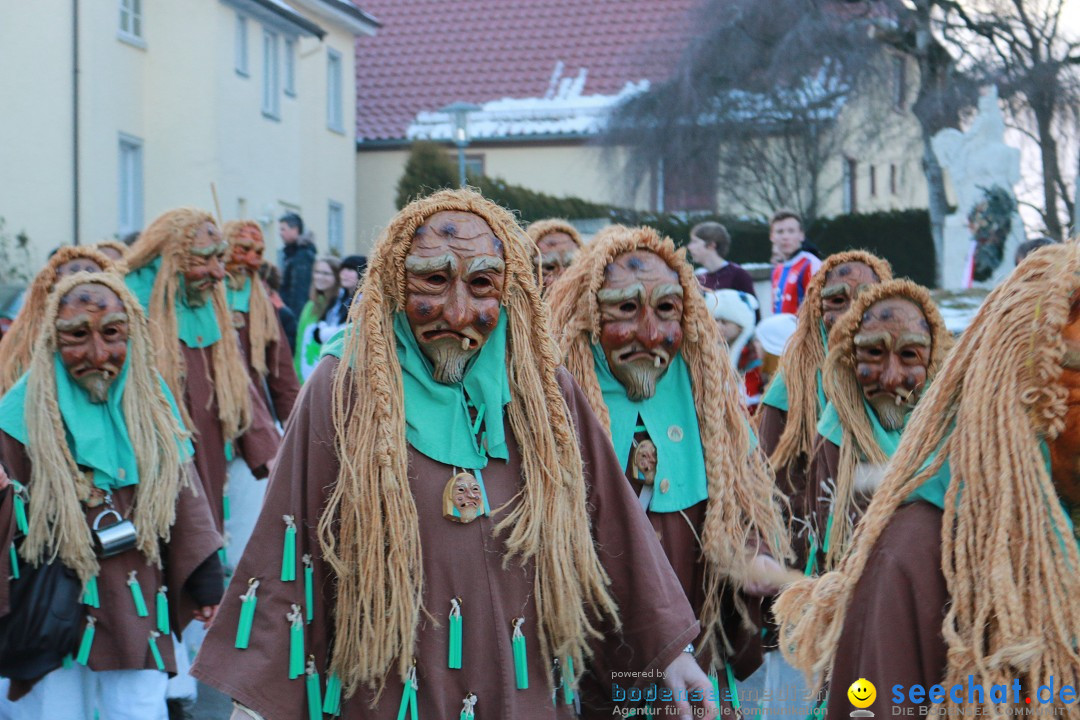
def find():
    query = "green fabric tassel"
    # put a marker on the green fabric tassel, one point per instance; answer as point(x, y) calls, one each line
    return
point(68, 662)
point(230, 453)
point(90, 595)
point(221, 557)
point(87, 641)
point(568, 681)
point(521, 666)
point(732, 688)
point(136, 595)
point(454, 661)
point(715, 680)
point(309, 589)
point(811, 557)
point(14, 563)
point(154, 635)
point(332, 703)
point(247, 615)
point(467, 707)
point(828, 533)
point(408, 696)
point(288, 552)
point(20, 512)
point(163, 610)
point(226, 507)
point(314, 691)
point(296, 643)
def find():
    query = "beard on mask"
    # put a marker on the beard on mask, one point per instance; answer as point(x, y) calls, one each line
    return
point(448, 360)
point(889, 414)
point(639, 378)
point(97, 386)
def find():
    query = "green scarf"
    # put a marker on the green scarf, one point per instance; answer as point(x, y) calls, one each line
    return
point(830, 428)
point(776, 395)
point(437, 421)
point(239, 300)
point(197, 327)
point(96, 432)
point(670, 418)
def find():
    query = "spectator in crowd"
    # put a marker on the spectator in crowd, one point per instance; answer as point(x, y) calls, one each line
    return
point(709, 245)
point(794, 263)
point(733, 312)
point(272, 277)
point(1026, 248)
point(772, 334)
point(325, 289)
point(299, 257)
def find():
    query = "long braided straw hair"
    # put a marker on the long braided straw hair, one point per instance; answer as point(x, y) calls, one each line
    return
point(843, 390)
point(803, 357)
point(18, 342)
point(369, 531)
point(537, 230)
point(742, 506)
point(262, 317)
point(57, 487)
point(169, 238)
point(1007, 553)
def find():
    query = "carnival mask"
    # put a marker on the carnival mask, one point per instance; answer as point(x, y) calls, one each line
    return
point(1065, 448)
point(454, 275)
point(892, 353)
point(557, 250)
point(92, 335)
point(842, 285)
point(464, 494)
point(205, 264)
point(641, 310)
point(76, 265)
point(246, 249)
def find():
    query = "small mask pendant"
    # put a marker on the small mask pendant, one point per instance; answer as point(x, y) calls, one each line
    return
point(463, 498)
point(643, 461)
point(238, 319)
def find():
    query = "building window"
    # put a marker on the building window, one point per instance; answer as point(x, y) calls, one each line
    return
point(131, 19)
point(290, 67)
point(892, 179)
point(335, 229)
point(851, 197)
point(873, 181)
point(474, 165)
point(899, 82)
point(271, 94)
point(129, 216)
point(333, 91)
point(241, 45)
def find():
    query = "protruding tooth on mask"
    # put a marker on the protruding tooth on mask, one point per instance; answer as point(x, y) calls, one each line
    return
point(464, 344)
point(657, 361)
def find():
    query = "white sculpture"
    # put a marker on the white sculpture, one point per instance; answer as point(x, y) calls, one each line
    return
point(976, 161)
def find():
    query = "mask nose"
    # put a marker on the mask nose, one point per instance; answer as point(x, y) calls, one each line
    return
point(649, 334)
point(455, 313)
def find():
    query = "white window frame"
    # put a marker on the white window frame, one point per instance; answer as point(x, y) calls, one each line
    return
point(129, 26)
point(335, 102)
point(129, 184)
point(290, 66)
point(851, 180)
point(271, 82)
point(241, 60)
point(335, 228)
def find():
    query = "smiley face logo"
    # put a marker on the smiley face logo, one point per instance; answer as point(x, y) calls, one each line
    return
point(862, 693)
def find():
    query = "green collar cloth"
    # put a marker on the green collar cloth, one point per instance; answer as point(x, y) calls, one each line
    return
point(776, 395)
point(437, 419)
point(96, 432)
point(239, 300)
point(670, 418)
point(197, 327)
point(830, 428)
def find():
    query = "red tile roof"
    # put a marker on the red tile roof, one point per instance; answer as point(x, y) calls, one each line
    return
point(429, 53)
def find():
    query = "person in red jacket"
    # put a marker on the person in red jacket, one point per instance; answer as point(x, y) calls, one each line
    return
point(794, 264)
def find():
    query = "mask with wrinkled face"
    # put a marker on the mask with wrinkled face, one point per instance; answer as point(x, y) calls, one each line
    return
point(892, 354)
point(76, 265)
point(245, 254)
point(205, 264)
point(1065, 448)
point(842, 285)
point(454, 276)
point(641, 310)
point(92, 335)
point(557, 251)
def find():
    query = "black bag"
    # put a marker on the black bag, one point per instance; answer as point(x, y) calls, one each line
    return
point(43, 625)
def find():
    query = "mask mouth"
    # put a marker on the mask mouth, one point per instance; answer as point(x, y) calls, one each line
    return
point(466, 341)
point(634, 355)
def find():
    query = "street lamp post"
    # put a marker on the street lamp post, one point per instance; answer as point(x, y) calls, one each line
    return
point(459, 113)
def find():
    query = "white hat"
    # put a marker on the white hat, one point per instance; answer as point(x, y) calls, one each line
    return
point(774, 332)
point(736, 307)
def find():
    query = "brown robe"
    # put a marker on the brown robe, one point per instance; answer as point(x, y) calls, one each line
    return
point(280, 386)
point(459, 560)
point(892, 630)
point(257, 445)
point(121, 638)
